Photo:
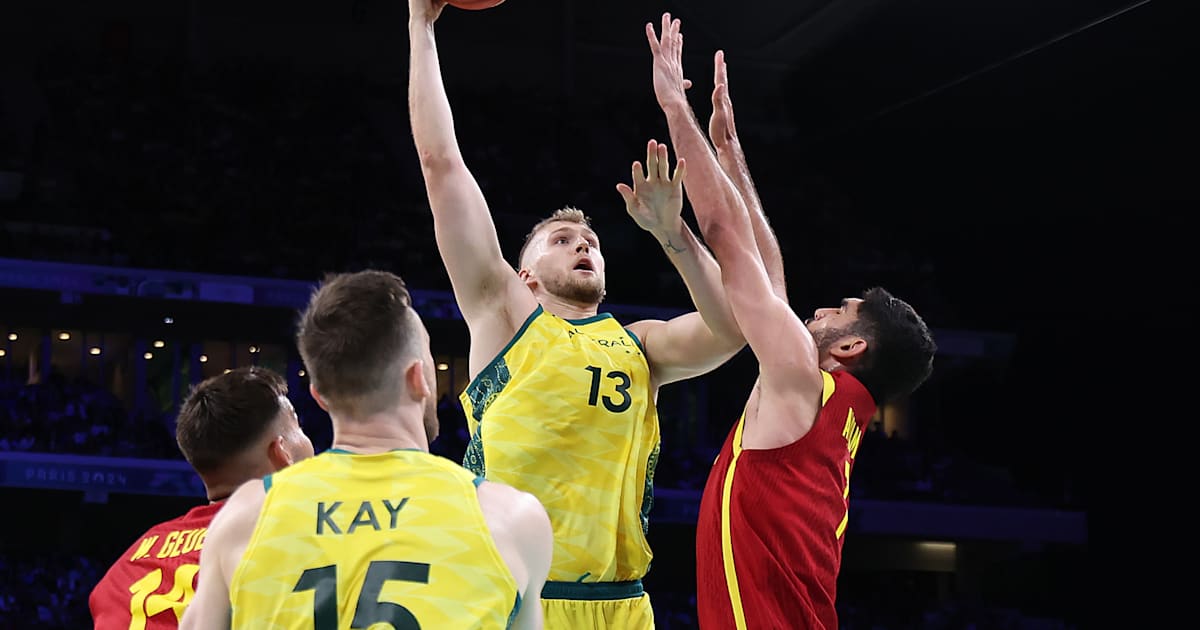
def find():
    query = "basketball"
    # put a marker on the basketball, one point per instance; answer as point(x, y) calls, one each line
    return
point(474, 5)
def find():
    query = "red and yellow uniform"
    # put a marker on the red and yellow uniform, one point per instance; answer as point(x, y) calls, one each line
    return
point(770, 531)
point(152, 582)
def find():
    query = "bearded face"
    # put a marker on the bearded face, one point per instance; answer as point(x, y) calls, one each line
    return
point(825, 338)
point(567, 263)
point(575, 285)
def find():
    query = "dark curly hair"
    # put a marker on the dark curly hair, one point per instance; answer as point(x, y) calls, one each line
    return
point(900, 348)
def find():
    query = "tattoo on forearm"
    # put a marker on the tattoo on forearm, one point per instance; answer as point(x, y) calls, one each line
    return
point(672, 248)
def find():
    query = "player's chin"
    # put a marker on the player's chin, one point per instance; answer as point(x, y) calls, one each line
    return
point(588, 292)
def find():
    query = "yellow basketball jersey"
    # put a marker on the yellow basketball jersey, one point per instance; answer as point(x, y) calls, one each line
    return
point(347, 541)
point(565, 413)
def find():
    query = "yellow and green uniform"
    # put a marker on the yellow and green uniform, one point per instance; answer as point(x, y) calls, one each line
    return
point(346, 541)
point(566, 412)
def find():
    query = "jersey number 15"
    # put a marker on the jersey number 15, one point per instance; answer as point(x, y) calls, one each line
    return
point(369, 610)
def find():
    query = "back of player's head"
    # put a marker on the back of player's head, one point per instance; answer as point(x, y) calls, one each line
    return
point(355, 338)
point(900, 347)
point(226, 414)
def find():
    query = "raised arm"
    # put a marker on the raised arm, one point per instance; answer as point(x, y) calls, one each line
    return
point(785, 350)
point(484, 284)
point(722, 130)
point(691, 344)
point(224, 544)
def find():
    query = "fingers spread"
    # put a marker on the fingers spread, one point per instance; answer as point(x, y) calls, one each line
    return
point(680, 169)
point(626, 193)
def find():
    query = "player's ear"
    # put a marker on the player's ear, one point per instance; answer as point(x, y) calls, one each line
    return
point(279, 456)
point(414, 379)
point(312, 389)
point(848, 349)
point(527, 277)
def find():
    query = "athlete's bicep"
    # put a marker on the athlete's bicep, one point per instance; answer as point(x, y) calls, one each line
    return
point(466, 239)
point(683, 347)
point(782, 344)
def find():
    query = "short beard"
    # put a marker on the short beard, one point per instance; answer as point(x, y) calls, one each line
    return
point(826, 337)
point(578, 290)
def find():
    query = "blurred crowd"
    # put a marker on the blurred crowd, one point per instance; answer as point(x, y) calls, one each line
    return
point(47, 591)
point(253, 168)
point(77, 417)
point(51, 591)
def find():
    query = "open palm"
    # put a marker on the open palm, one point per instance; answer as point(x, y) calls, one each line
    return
point(656, 198)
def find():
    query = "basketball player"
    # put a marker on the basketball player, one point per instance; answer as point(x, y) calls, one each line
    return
point(562, 398)
point(231, 428)
point(774, 508)
point(376, 530)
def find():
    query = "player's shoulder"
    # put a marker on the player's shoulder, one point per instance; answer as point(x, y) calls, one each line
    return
point(190, 517)
point(240, 509)
point(642, 327)
point(845, 386)
point(499, 500)
point(249, 493)
point(499, 490)
point(148, 537)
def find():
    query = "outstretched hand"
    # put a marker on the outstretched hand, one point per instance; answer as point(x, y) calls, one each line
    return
point(656, 199)
point(669, 85)
point(721, 128)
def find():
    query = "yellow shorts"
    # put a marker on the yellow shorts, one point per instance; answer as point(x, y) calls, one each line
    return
point(596, 606)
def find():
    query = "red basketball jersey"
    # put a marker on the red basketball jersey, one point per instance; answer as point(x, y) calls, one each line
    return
point(148, 587)
point(769, 536)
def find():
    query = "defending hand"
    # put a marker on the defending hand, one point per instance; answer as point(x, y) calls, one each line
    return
point(721, 128)
point(656, 199)
point(669, 85)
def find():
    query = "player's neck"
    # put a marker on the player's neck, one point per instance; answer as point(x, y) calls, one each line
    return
point(567, 309)
point(377, 435)
point(220, 484)
point(220, 492)
point(367, 441)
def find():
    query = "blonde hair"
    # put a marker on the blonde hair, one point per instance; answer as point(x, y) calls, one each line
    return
point(568, 214)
